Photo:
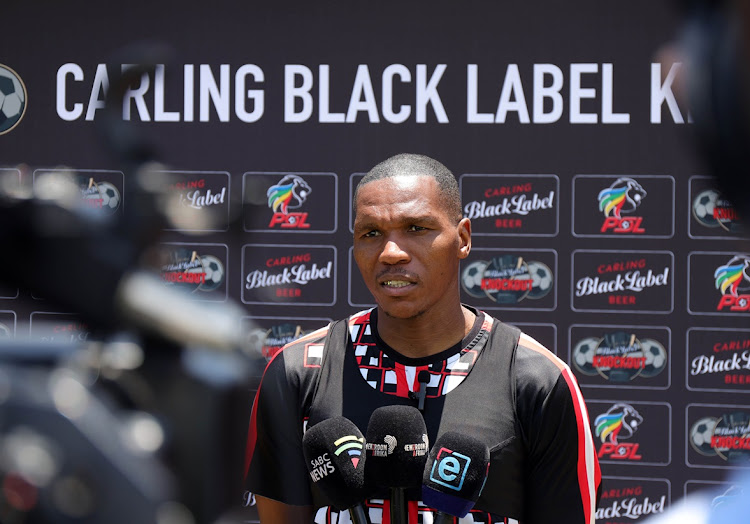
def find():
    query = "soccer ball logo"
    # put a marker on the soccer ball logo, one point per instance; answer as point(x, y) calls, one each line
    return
point(711, 209)
point(583, 355)
point(656, 357)
point(214, 270)
point(102, 196)
point(471, 278)
point(700, 436)
point(12, 99)
point(541, 279)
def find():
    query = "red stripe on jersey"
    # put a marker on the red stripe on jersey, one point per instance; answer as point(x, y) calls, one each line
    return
point(589, 474)
point(585, 455)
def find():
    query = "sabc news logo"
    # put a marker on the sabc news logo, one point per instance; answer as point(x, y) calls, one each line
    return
point(449, 469)
point(623, 196)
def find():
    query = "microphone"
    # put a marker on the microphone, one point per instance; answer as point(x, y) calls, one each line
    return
point(454, 475)
point(333, 451)
point(397, 447)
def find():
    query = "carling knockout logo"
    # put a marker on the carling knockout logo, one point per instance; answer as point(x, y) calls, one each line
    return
point(289, 193)
point(727, 437)
point(507, 279)
point(712, 210)
point(623, 196)
point(619, 357)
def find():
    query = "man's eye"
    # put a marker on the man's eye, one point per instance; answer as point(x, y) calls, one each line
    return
point(371, 234)
point(416, 228)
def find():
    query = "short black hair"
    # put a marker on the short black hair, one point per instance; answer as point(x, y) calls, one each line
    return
point(409, 164)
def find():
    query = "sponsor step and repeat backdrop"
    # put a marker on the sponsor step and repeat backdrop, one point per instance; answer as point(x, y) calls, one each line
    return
point(596, 228)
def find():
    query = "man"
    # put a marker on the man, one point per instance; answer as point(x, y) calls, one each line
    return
point(481, 377)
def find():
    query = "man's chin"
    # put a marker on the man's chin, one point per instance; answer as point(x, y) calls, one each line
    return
point(400, 311)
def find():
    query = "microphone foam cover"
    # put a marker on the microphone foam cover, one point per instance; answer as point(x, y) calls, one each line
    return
point(334, 452)
point(455, 473)
point(397, 447)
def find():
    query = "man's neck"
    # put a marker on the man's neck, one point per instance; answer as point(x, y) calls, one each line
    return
point(425, 335)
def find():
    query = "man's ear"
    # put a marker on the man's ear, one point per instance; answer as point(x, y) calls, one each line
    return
point(464, 235)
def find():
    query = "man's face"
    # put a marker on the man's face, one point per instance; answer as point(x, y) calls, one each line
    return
point(407, 246)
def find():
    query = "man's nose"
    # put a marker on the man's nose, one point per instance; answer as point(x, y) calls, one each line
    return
point(393, 253)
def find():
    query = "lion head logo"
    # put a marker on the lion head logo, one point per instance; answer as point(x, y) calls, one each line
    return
point(620, 421)
point(290, 193)
point(623, 196)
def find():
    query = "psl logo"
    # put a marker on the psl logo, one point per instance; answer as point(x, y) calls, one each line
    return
point(290, 193)
point(619, 422)
point(623, 196)
point(729, 279)
point(449, 469)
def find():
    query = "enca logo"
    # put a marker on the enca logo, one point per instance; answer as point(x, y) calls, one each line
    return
point(449, 469)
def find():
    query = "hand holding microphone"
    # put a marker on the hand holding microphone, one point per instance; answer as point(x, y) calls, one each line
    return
point(454, 475)
point(334, 452)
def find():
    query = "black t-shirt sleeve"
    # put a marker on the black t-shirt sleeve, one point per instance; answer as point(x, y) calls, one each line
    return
point(562, 476)
point(275, 462)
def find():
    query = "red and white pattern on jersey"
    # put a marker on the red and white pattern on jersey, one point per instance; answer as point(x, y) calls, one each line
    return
point(378, 511)
point(394, 378)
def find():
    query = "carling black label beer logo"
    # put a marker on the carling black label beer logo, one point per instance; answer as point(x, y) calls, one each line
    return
point(718, 436)
point(613, 356)
point(202, 197)
point(631, 433)
point(57, 327)
point(629, 499)
point(290, 202)
point(506, 279)
point(718, 359)
point(289, 274)
point(619, 205)
point(101, 190)
point(13, 99)
point(638, 281)
point(718, 283)
point(712, 214)
point(523, 205)
point(199, 269)
point(266, 336)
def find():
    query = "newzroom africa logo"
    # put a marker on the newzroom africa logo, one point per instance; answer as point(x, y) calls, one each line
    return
point(12, 99)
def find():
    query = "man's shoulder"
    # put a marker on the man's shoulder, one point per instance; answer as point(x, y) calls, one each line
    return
point(537, 366)
point(310, 346)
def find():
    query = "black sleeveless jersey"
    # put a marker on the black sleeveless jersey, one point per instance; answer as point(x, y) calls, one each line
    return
point(497, 385)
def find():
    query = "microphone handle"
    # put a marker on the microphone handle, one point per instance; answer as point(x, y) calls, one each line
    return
point(443, 518)
point(399, 510)
point(358, 515)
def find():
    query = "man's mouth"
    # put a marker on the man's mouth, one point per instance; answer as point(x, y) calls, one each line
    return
point(395, 283)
